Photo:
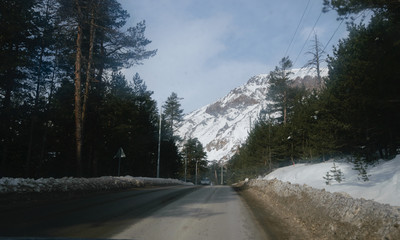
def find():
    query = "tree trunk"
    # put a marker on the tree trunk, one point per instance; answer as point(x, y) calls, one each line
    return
point(35, 111)
point(101, 65)
point(284, 107)
point(270, 158)
point(5, 123)
point(5, 114)
point(78, 110)
point(49, 102)
point(291, 154)
point(89, 66)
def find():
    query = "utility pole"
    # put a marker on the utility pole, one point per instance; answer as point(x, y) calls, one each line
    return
point(159, 146)
point(185, 164)
point(222, 172)
point(216, 174)
point(196, 174)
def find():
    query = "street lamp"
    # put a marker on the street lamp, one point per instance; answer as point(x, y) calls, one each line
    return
point(196, 164)
point(185, 164)
point(159, 146)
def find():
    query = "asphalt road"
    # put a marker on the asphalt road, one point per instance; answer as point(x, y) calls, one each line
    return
point(212, 212)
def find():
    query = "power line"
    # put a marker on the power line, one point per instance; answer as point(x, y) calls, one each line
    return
point(307, 38)
point(361, 14)
point(298, 25)
point(333, 34)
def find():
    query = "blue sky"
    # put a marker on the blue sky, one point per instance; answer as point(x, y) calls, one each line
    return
point(208, 47)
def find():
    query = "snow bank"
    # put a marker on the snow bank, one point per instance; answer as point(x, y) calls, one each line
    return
point(328, 215)
point(383, 185)
point(20, 185)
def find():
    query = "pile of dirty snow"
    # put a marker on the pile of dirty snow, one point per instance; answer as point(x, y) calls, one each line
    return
point(65, 184)
point(382, 179)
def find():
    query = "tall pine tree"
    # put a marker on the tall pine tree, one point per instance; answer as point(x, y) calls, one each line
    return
point(279, 89)
point(173, 113)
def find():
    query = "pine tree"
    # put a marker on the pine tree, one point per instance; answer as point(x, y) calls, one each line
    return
point(279, 88)
point(363, 89)
point(346, 8)
point(337, 173)
point(17, 20)
point(193, 153)
point(328, 178)
point(361, 167)
point(100, 41)
point(334, 174)
point(139, 86)
point(43, 56)
point(363, 79)
point(173, 113)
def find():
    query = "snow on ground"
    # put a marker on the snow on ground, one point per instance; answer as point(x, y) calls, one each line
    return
point(383, 185)
point(65, 184)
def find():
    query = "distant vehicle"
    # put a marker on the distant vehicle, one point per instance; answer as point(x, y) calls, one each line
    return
point(205, 181)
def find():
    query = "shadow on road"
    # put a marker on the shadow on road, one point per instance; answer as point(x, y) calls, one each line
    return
point(101, 215)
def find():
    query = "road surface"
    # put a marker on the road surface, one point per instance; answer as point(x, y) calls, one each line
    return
point(212, 212)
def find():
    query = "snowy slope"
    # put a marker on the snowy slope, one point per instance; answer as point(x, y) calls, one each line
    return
point(302, 72)
point(224, 125)
point(383, 185)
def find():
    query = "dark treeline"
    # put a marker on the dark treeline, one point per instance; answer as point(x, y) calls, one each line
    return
point(356, 112)
point(65, 109)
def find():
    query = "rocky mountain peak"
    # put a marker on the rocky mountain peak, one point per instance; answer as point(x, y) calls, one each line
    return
point(224, 125)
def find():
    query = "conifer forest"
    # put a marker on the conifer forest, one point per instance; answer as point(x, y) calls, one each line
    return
point(353, 112)
point(66, 107)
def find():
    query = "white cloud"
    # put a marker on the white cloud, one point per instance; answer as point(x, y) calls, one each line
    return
point(207, 48)
point(188, 60)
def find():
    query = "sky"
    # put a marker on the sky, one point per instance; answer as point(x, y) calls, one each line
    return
point(208, 47)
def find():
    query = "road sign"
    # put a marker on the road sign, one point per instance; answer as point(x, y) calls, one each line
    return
point(120, 154)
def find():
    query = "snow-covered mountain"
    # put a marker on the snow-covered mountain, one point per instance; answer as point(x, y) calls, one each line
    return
point(225, 124)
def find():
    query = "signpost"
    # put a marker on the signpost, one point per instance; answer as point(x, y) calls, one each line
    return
point(120, 154)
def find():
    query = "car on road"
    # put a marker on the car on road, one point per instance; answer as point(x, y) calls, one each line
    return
point(205, 181)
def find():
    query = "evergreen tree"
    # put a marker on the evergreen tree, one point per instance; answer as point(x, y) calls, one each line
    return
point(194, 154)
point(279, 88)
point(328, 178)
point(129, 121)
point(334, 174)
point(139, 86)
point(43, 56)
point(44, 47)
point(363, 88)
point(361, 168)
point(356, 114)
point(17, 20)
point(99, 26)
point(345, 8)
point(337, 173)
point(173, 113)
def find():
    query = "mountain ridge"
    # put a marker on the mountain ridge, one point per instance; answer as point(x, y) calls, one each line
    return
point(224, 125)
